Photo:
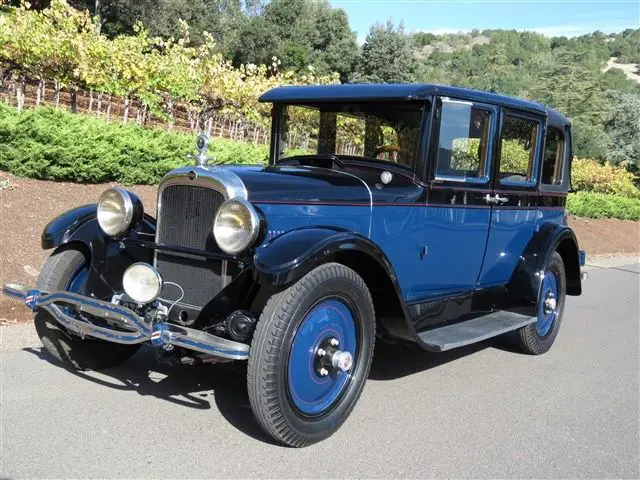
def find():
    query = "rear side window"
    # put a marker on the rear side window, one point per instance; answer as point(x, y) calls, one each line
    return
point(518, 149)
point(462, 143)
point(553, 160)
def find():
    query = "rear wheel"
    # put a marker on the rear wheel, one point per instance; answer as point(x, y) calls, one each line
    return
point(310, 355)
point(538, 337)
point(67, 269)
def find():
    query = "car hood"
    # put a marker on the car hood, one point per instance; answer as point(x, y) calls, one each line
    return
point(287, 184)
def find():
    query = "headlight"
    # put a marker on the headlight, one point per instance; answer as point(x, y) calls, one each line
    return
point(236, 226)
point(142, 283)
point(116, 211)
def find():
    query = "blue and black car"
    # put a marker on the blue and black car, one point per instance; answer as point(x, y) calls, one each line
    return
point(418, 213)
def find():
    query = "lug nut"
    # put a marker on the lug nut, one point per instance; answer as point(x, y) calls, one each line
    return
point(324, 372)
point(321, 352)
point(334, 342)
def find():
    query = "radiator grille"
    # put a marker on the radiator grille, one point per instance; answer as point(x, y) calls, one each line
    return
point(186, 220)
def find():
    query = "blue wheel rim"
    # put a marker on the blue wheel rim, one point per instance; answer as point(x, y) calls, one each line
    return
point(311, 393)
point(547, 316)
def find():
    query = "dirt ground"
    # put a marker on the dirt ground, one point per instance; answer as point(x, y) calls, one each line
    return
point(28, 205)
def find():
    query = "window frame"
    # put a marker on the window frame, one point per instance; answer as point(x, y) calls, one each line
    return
point(435, 143)
point(539, 146)
point(425, 106)
point(559, 160)
point(565, 185)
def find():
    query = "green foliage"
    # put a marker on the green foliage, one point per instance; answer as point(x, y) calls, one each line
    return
point(56, 145)
point(592, 176)
point(514, 157)
point(61, 43)
point(598, 205)
point(300, 33)
point(623, 123)
point(387, 56)
point(626, 46)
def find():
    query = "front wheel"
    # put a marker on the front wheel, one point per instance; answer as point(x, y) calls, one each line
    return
point(310, 355)
point(537, 338)
point(67, 269)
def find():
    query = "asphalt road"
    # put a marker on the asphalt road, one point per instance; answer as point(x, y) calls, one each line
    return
point(484, 411)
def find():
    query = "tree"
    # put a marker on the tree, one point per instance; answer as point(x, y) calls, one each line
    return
point(387, 56)
point(300, 33)
point(623, 126)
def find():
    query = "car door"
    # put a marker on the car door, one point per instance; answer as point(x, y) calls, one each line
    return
point(514, 194)
point(457, 214)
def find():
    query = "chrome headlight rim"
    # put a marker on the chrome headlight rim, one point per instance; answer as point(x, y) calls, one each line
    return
point(254, 225)
point(156, 275)
point(128, 207)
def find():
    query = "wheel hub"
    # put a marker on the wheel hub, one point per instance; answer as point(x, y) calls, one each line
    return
point(550, 304)
point(330, 358)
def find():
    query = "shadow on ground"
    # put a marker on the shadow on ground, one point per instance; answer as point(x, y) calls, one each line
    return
point(225, 384)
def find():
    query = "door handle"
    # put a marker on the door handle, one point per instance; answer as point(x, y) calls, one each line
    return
point(496, 199)
point(489, 199)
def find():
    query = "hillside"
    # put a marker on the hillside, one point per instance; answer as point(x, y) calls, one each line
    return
point(631, 70)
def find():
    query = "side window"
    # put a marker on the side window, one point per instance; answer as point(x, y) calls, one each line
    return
point(518, 149)
point(463, 140)
point(553, 160)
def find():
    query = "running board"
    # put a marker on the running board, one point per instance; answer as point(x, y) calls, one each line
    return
point(472, 331)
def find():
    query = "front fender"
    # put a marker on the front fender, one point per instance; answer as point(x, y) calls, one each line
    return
point(80, 224)
point(287, 258)
point(108, 257)
point(525, 282)
point(284, 260)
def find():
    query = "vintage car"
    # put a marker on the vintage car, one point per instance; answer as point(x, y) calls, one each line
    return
point(419, 213)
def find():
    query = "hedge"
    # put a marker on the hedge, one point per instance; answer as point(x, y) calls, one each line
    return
point(53, 144)
point(600, 205)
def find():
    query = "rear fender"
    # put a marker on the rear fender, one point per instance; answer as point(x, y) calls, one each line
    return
point(524, 285)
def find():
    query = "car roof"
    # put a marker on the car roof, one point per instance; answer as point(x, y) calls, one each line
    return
point(377, 92)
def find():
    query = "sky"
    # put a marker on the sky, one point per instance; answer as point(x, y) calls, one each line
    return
point(549, 17)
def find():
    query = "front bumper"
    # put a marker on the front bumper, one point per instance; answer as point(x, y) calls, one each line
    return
point(127, 326)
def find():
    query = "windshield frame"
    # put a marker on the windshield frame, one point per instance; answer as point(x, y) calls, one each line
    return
point(421, 142)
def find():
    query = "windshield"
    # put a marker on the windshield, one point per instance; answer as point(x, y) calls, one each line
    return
point(382, 131)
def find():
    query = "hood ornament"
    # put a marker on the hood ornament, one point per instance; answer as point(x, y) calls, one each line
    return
point(202, 144)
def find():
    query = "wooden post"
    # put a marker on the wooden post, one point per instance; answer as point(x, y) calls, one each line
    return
point(99, 108)
point(108, 108)
point(125, 116)
point(20, 92)
point(56, 93)
point(40, 92)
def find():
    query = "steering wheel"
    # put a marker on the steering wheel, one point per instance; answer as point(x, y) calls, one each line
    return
point(386, 149)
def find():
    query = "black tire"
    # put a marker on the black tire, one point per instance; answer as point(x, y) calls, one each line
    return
point(87, 354)
point(530, 341)
point(271, 345)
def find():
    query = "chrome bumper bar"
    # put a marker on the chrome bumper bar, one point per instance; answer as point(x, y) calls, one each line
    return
point(129, 328)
